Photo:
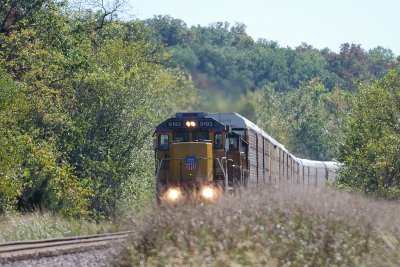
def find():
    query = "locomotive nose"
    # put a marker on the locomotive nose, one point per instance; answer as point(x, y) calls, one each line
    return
point(194, 161)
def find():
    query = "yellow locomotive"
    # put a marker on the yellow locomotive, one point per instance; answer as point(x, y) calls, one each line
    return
point(199, 156)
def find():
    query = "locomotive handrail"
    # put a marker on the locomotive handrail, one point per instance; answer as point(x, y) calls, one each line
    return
point(238, 167)
point(241, 170)
point(225, 171)
point(219, 162)
point(326, 171)
point(222, 167)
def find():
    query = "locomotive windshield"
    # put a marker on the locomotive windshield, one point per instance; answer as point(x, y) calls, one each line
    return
point(218, 141)
point(200, 135)
point(163, 142)
point(232, 142)
point(181, 136)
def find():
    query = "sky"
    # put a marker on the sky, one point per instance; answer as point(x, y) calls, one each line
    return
point(320, 23)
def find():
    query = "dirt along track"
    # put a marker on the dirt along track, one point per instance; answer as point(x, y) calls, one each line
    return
point(23, 250)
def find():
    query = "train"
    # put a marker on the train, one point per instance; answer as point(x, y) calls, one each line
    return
point(203, 155)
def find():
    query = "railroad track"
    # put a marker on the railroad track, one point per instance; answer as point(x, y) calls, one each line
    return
point(20, 250)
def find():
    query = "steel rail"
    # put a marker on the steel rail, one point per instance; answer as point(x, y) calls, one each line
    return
point(20, 250)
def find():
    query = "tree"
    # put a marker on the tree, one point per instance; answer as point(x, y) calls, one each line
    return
point(41, 57)
point(381, 60)
point(351, 64)
point(168, 30)
point(308, 64)
point(80, 103)
point(302, 119)
point(371, 138)
point(117, 106)
point(13, 12)
point(11, 143)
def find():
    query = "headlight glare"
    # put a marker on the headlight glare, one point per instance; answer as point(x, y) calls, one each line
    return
point(208, 192)
point(173, 195)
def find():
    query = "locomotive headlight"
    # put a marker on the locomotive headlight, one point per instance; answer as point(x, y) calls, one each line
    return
point(190, 123)
point(173, 194)
point(208, 192)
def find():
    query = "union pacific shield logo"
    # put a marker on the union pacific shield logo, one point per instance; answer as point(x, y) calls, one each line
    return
point(190, 163)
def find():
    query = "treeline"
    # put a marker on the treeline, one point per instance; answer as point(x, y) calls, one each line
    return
point(80, 93)
point(223, 57)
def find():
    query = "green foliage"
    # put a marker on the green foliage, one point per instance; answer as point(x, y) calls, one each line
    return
point(168, 30)
point(14, 13)
point(371, 138)
point(38, 56)
point(78, 116)
point(11, 144)
point(186, 57)
point(381, 60)
point(118, 104)
point(308, 64)
point(223, 57)
point(306, 120)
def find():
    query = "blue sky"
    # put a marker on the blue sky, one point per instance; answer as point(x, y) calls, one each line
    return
point(320, 23)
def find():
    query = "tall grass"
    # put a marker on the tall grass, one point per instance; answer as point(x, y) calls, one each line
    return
point(285, 226)
point(42, 225)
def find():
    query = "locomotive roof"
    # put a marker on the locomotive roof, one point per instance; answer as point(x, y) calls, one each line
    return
point(235, 120)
